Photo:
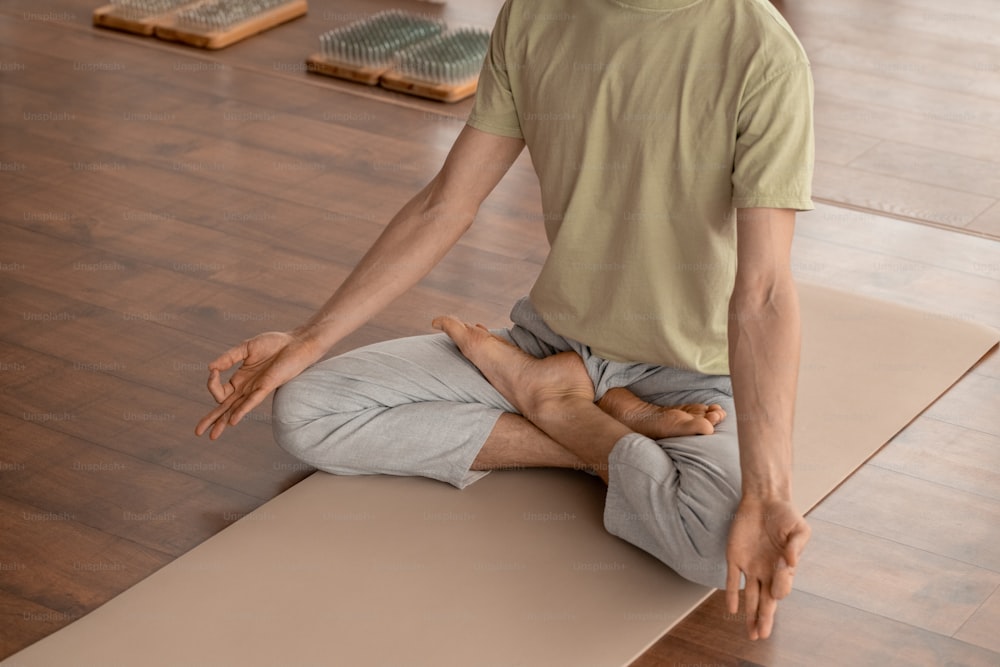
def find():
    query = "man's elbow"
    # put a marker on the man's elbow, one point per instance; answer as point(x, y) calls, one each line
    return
point(764, 291)
point(440, 207)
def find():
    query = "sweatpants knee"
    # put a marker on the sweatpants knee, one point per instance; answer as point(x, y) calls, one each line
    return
point(706, 563)
point(289, 417)
point(309, 422)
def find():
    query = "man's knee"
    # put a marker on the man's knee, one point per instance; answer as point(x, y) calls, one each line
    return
point(713, 488)
point(287, 416)
point(298, 408)
point(686, 528)
point(706, 563)
point(317, 418)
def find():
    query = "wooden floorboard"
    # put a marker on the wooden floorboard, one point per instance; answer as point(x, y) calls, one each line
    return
point(981, 628)
point(32, 620)
point(176, 201)
point(917, 513)
point(53, 559)
point(920, 78)
point(946, 454)
point(816, 631)
point(915, 586)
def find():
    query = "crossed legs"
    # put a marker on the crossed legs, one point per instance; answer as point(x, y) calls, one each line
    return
point(422, 406)
point(559, 424)
point(393, 407)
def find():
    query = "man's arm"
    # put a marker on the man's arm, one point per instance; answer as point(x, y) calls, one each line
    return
point(416, 239)
point(767, 533)
point(418, 236)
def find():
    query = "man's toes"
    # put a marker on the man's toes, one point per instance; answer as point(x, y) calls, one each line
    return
point(463, 334)
point(456, 329)
point(685, 423)
point(702, 426)
point(715, 413)
point(696, 409)
point(696, 426)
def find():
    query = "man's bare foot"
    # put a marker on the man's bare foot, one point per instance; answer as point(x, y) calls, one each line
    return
point(555, 393)
point(658, 421)
point(527, 382)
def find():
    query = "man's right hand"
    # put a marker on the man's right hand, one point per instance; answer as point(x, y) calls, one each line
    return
point(267, 361)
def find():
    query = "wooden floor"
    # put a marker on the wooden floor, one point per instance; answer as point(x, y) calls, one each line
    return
point(907, 107)
point(159, 203)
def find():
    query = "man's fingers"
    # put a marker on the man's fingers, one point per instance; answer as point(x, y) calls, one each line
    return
point(219, 391)
point(224, 362)
point(224, 419)
point(229, 413)
point(218, 428)
point(216, 421)
point(210, 419)
point(751, 598)
point(733, 589)
point(781, 583)
point(796, 543)
point(765, 613)
point(229, 358)
point(249, 403)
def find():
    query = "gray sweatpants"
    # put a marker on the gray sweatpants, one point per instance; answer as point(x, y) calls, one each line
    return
point(416, 406)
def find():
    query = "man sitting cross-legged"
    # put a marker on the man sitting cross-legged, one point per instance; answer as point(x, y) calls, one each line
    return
point(672, 140)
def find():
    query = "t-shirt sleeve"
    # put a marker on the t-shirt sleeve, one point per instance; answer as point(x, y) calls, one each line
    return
point(494, 110)
point(773, 164)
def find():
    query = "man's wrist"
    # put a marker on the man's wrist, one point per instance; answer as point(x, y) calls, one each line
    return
point(766, 464)
point(770, 496)
point(766, 488)
point(312, 336)
point(767, 493)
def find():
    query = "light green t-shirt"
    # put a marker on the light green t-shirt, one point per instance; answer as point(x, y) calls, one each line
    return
point(648, 124)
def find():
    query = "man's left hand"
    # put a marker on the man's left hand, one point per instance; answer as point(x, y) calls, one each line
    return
point(765, 540)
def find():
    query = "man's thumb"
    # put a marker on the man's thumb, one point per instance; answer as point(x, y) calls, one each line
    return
point(796, 543)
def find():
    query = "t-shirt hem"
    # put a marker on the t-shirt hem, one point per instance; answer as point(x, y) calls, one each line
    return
point(494, 129)
point(707, 369)
point(770, 202)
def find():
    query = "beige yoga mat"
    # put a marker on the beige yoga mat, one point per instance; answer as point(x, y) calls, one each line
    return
point(514, 570)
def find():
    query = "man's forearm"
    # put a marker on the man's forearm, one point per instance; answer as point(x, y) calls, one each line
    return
point(764, 342)
point(416, 239)
point(418, 236)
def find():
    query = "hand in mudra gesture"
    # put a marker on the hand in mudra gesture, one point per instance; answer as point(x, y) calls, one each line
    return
point(766, 538)
point(266, 362)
